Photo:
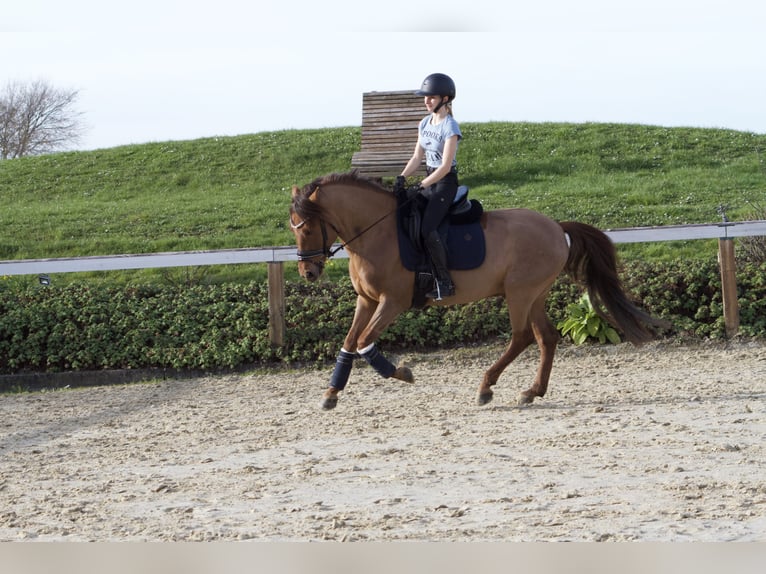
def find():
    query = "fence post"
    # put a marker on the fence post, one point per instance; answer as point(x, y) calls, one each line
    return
point(728, 266)
point(277, 303)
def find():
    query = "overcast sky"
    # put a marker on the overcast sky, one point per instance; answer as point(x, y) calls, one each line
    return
point(181, 69)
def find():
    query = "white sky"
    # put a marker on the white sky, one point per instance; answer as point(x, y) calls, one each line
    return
point(181, 69)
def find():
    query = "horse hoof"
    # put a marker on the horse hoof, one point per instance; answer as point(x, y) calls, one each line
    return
point(329, 399)
point(484, 398)
point(525, 399)
point(329, 404)
point(404, 374)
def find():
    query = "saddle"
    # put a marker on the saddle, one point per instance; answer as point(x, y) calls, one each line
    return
point(461, 232)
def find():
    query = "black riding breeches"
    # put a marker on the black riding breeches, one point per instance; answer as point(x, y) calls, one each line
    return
point(440, 197)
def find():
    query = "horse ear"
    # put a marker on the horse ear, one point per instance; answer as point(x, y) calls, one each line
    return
point(295, 190)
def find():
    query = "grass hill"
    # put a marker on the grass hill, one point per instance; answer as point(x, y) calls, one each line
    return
point(234, 192)
point(229, 192)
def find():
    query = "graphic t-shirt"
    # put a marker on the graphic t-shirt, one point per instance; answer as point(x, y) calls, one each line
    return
point(432, 138)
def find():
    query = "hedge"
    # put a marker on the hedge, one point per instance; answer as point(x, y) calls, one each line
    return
point(219, 327)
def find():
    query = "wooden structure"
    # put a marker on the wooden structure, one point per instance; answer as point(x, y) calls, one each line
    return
point(728, 268)
point(389, 132)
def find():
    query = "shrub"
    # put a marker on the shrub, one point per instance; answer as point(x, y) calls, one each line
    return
point(213, 327)
point(753, 249)
point(583, 323)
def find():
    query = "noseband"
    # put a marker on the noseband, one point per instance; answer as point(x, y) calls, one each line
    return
point(310, 254)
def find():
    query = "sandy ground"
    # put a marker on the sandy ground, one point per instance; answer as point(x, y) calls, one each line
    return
point(662, 443)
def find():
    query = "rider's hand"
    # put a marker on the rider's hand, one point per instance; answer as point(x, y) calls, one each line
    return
point(399, 186)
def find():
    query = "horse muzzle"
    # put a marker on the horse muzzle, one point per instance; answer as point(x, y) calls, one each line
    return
point(311, 269)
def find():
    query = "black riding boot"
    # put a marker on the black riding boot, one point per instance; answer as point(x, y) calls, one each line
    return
point(438, 254)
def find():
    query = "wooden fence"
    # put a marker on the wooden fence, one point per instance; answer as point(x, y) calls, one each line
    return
point(275, 257)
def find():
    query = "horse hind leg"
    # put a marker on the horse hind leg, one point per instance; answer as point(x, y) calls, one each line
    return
point(536, 327)
point(547, 337)
point(521, 338)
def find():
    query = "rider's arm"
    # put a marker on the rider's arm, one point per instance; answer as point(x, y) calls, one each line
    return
point(415, 161)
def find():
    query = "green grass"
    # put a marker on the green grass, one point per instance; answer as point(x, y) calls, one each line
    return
point(231, 192)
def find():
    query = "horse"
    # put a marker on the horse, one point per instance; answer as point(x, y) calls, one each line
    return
point(525, 252)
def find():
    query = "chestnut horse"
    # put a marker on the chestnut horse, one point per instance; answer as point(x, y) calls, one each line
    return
point(525, 252)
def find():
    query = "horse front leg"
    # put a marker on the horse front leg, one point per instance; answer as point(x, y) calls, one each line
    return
point(370, 320)
point(345, 361)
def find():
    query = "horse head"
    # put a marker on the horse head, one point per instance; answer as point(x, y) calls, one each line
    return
point(311, 232)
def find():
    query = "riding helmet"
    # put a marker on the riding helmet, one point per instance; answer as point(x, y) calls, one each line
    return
point(437, 85)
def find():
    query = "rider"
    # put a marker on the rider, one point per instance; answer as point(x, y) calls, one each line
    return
point(438, 137)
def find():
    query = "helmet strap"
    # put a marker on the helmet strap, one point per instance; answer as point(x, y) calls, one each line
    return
point(441, 103)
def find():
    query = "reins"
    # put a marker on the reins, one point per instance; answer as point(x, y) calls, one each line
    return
point(358, 235)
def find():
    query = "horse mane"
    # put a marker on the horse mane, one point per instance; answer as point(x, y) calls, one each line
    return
point(306, 209)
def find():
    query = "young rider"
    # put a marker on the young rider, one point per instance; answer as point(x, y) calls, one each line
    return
point(438, 137)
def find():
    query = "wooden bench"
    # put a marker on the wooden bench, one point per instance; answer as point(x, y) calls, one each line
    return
point(389, 132)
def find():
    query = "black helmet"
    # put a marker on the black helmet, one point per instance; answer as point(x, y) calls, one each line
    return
point(437, 85)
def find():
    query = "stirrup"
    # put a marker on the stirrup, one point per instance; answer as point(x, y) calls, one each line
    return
point(443, 289)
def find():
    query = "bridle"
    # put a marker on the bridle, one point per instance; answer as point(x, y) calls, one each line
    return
point(325, 251)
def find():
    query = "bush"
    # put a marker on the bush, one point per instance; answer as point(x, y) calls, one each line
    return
point(213, 327)
point(583, 323)
point(753, 249)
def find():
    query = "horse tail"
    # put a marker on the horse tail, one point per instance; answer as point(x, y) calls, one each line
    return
point(593, 262)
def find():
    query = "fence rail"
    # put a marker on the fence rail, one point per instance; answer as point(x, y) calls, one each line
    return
point(724, 232)
point(147, 261)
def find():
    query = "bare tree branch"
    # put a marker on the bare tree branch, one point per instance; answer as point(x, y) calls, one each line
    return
point(37, 118)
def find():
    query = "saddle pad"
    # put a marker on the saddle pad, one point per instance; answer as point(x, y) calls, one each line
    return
point(465, 248)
